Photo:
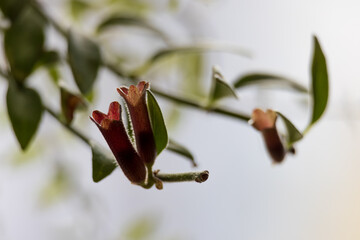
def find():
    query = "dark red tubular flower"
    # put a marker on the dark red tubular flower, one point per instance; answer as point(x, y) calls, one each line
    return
point(265, 123)
point(113, 130)
point(135, 97)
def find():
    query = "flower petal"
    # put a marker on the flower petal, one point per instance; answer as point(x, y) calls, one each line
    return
point(116, 136)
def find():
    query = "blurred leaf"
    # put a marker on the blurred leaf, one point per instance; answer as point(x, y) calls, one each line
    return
point(84, 59)
point(127, 20)
point(102, 164)
point(25, 111)
point(173, 5)
point(263, 78)
point(138, 7)
point(220, 88)
point(141, 229)
point(199, 48)
point(173, 116)
point(53, 73)
point(182, 150)
point(157, 123)
point(70, 103)
point(195, 48)
point(19, 158)
point(293, 134)
point(56, 187)
point(320, 82)
point(23, 43)
point(192, 69)
point(78, 8)
point(12, 8)
point(49, 58)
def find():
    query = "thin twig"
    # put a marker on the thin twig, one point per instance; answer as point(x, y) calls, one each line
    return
point(131, 78)
point(187, 102)
point(68, 127)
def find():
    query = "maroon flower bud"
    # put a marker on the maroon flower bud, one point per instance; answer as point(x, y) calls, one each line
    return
point(113, 130)
point(135, 97)
point(265, 123)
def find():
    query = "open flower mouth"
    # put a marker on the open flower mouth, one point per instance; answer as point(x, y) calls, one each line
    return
point(103, 120)
point(133, 94)
point(265, 122)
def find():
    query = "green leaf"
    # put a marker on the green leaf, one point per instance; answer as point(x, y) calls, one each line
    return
point(129, 126)
point(102, 164)
point(191, 67)
point(200, 48)
point(23, 43)
point(12, 8)
point(320, 82)
point(182, 150)
point(220, 88)
point(293, 134)
point(84, 59)
point(195, 48)
point(123, 20)
point(157, 123)
point(25, 111)
point(49, 58)
point(57, 187)
point(263, 78)
point(141, 229)
point(78, 8)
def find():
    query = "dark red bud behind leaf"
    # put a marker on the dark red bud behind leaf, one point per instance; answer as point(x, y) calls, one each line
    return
point(265, 122)
point(273, 144)
point(70, 103)
point(135, 98)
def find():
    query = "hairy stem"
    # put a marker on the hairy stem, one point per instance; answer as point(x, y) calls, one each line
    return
point(183, 177)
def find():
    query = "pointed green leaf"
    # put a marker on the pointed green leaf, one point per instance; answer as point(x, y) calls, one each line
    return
point(102, 164)
point(84, 59)
point(23, 43)
point(293, 134)
point(263, 78)
point(220, 88)
point(25, 111)
point(182, 150)
point(320, 82)
point(157, 123)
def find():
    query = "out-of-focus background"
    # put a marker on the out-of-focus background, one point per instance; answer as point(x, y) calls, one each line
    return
point(48, 192)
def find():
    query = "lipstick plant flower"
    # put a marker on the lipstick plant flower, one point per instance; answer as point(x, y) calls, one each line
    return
point(265, 122)
point(137, 158)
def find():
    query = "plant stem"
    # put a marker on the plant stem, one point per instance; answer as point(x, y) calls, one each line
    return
point(68, 127)
point(131, 78)
point(183, 177)
point(190, 103)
